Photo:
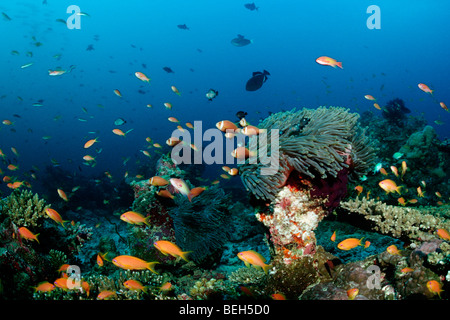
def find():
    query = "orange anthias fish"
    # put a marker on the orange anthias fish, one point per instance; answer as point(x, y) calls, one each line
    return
point(180, 185)
point(158, 181)
point(425, 88)
point(134, 285)
point(434, 287)
point(166, 287)
point(61, 283)
point(443, 234)
point(394, 170)
point(27, 234)
point(278, 296)
point(106, 294)
point(327, 61)
point(175, 90)
point(168, 105)
point(349, 244)
point(369, 97)
point(133, 263)
point(15, 185)
point(118, 132)
point(45, 287)
point(55, 216)
point(90, 143)
point(443, 106)
point(393, 249)
point(383, 172)
point(233, 171)
point(117, 93)
point(252, 257)
point(333, 236)
point(377, 106)
point(142, 76)
point(420, 193)
point(167, 247)
point(134, 218)
point(359, 189)
point(62, 195)
point(352, 293)
point(173, 119)
point(404, 168)
point(100, 258)
point(401, 201)
point(389, 186)
point(12, 167)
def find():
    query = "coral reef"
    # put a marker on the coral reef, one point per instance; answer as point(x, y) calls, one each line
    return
point(24, 208)
point(314, 142)
point(412, 224)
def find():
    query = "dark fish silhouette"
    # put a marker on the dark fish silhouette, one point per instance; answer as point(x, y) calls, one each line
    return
point(168, 70)
point(183, 27)
point(251, 6)
point(90, 47)
point(241, 114)
point(240, 41)
point(257, 80)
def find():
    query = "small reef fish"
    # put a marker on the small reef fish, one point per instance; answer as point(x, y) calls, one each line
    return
point(444, 234)
point(167, 247)
point(117, 93)
point(165, 194)
point(352, 293)
point(397, 155)
point(180, 185)
point(173, 141)
point(349, 244)
point(55, 216)
point(394, 170)
point(443, 106)
point(333, 236)
point(243, 153)
point(369, 97)
point(404, 168)
point(61, 283)
point(211, 94)
point(158, 181)
point(44, 287)
point(327, 61)
point(434, 287)
point(389, 186)
point(257, 80)
point(393, 249)
point(359, 189)
point(420, 193)
point(278, 296)
point(28, 235)
point(62, 195)
point(225, 125)
point(134, 218)
point(406, 270)
point(233, 171)
point(106, 295)
point(166, 287)
point(133, 263)
point(142, 76)
point(100, 258)
point(377, 106)
point(254, 258)
point(120, 132)
point(173, 119)
point(175, 90)
point(134, 285)
point(194, 192)
point(168, 105)
point(367, 244)
point(250, 130)
point(425, 88)
point(401, 201)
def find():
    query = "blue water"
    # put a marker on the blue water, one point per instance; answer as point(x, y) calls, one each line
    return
point(288, 36)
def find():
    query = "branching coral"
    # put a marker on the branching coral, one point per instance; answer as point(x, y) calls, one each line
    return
point(315, 143)
point(24, 208)
point(414, 224)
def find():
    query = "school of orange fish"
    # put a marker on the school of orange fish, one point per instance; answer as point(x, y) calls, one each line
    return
point(230, 130)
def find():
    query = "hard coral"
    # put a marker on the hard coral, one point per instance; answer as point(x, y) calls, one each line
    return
point(24, 208)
